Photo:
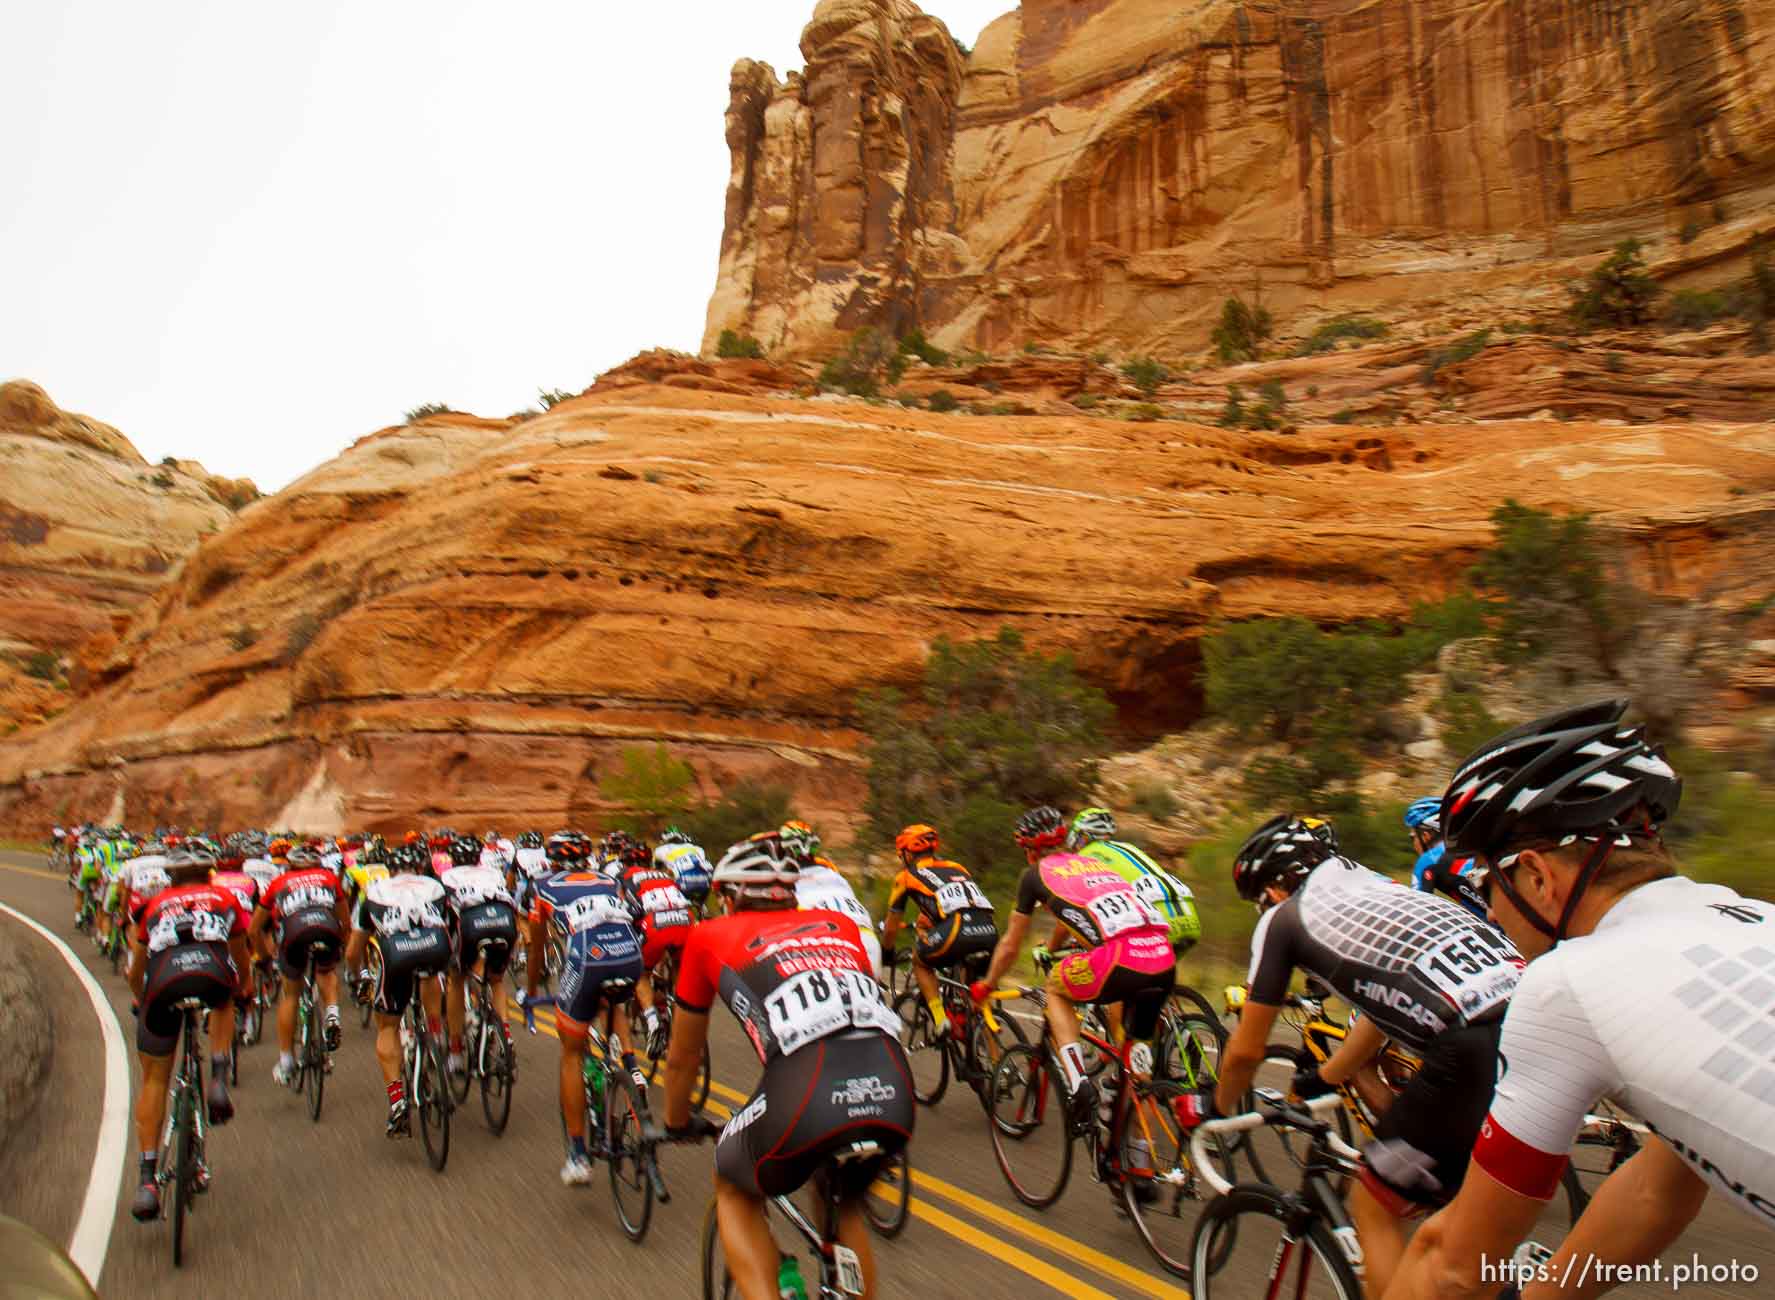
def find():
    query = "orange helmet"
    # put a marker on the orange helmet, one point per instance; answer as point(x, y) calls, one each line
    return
point(915, 839)
point(278, 849)
point(411, 837)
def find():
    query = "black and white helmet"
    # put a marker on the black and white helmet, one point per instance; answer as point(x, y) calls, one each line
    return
point(1575, 773)
point(760, 869)
point(1281, 852)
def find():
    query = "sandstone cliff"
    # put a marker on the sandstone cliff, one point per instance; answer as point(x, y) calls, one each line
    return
point(1108, 171)
point(87, 530)
point(469, 619)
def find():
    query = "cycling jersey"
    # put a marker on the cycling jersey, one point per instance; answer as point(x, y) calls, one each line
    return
point(665, 911)
point(1094, 903)
point(820, 888)
point(1428, 858)
point(186, 930)
point(334, 861)
point(262, 870)
point(1418, 964)
point(304, 907)
point(141, 879)
point(238, 883)
point(1167, 895)
point(689, 865)
point(406, 915)
point(481, 913)
point(602, 948)
point(1664, 1008)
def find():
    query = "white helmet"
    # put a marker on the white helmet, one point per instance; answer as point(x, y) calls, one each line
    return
point(759, 869)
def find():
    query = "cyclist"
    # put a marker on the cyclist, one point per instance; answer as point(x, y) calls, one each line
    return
point(834, 1071)
point(1092, 834)
point(302, 914)
point(371, 864)
point(820, 888)
point(1126, 951)
point(497, 851)
point(602, 941)
point(665, 924)
point(1419, 968)
point(480, 911)
point(686, 861)
point(1435, 872)
point(1642, 985)
point(187, 940)
point(530, 863)
point(404, 915)
point(955, 920)
point(137, 881)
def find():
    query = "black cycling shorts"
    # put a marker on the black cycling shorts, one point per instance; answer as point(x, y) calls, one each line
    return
point(405, 956)
point(186, 970)
point(1143, 996)
point(957, 937)
point(494, 923)
point(847, 1087)
point(603, 965)
point(317, 929)
point(1421, 1145)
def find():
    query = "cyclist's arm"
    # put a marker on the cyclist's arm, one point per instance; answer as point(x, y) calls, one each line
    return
point(1363, 1041)
point(1272, 965)
point(1010, 943)
point(1243, 1054)
point(690, 1030)
point(893, 920)
point(138, 962)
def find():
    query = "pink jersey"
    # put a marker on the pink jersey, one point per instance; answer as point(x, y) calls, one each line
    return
point(1101, 909)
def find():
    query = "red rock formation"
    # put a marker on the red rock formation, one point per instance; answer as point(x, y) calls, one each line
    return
point(1109, 170)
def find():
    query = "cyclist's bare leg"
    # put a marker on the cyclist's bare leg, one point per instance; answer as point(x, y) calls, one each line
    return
point(572, 1081)
point(926, 979)
point(355, 947)
point(286, 1016)
point(853, 1231)
point(619, 1028)
point(151, 1102)
point(746, 1243)
point(222, 1029)
point(327, 983)
point(388, 1047)
point(1381, 1235)
point(1062, 1018)
point(1369, 1086)
point(455, 1003)
point(431, 997)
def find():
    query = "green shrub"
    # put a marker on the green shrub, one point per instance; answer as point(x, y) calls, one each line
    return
point(1242, 328)
point(244, 636)
point(1517, 327)
point(1462, 349)
point(1334, 331)
point(1267, 414)
point(1759, 300)
point(729, 345)
point(1232, 415)
point(1344, 416)
point(913, 344)
point(1271, 391)
point(651, 786)
point(425, 411)
point(870, 357)
point(993, 729)
point(1693, 309)
point(1100, 358)
point(1087, 401)
point(1466, 724)
point(171, 462)
point(162, 480)
point(1144, 412)
point(1145, 374)
point(553, 397)
point(1544, 576)
point(746, 808)
point(1725, 825)
point(1618, 293)
point(1154, 799)
point(942, 400)
point(43, 665)
point(1033, 349)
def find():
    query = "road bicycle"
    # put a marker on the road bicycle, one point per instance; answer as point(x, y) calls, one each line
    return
point(1256, 1228)
point(665, 977)
point(427, 1083)
point(365, 984)
point(619, 1128)
point(488, 1048)
point(310, 1077)
point(182, 1172)
point(890, 1199)
point(839, 1270)
point(976, 1040)
point(1138, 1150)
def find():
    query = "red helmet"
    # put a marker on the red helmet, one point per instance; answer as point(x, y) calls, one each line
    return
point(1041, 828)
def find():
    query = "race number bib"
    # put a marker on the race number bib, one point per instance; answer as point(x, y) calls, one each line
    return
point(1474, 972)
point(666, 898)
point(594, 909)
point(209, 927)
point(959, 896)
point(1152, 891)
point(149, 881)
point(1121, 911)
point(816, 1003)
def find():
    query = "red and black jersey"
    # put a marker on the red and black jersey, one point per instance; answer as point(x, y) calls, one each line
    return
point(300, 889)
point(790, 977)
point(656, 893)
point(203, 913)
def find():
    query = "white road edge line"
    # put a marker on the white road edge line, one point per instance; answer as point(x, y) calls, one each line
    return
point(92, 1233)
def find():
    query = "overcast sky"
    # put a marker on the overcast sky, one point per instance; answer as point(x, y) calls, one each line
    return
point(249, 234)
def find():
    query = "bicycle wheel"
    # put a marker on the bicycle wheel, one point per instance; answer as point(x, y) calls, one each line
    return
point(630, 1156)
point(1244, 1235)
point(985, 1047)
point(1277, 1072)
point(1093, 1024)
point(717, 1285)
point(927, 1055)
point(1601, 1149)
point(183, 1145)
point(1030, 1137)
point(373, 964)
point(888, 1200)
point(1186, 1057)
point(1158, 1181)
point(433, 1103)
point(494, 1062)
point(313, 1059)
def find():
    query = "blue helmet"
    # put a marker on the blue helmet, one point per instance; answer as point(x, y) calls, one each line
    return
point(1424, 815)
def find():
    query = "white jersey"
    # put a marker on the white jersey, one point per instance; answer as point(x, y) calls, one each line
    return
point(470, 886)
point(679, 858)
point(493, 859)
point(145, 876)
point(405, 902)
point(819, 888)
point(534, 864)
point(334, 861)
point(1665, 1010)
point(262, 870)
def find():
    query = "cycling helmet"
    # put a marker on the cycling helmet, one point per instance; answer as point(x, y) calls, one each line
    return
point(613, 844)
point(374, 853)
point(635, 853)
point(800, 839)
point(1575, 773)
point(758, 870)
point(916, 839)
point(409, 857)
point(303, 856)
point(1281, 852)
point(1090, 824)
point(465, 851)
point(1040, 828)
point(1424, 815)
point(672, 835)
point(278, 848)
point(530, 840)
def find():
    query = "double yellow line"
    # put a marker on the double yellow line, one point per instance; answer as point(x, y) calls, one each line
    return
point(998, 1248)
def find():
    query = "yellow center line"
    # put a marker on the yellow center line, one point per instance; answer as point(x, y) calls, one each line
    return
point(1063, 1282)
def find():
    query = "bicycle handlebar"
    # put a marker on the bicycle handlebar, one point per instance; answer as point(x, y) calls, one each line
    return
point(1281, 1114)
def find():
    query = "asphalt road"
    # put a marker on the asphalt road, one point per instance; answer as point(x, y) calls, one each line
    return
point(300, 1208)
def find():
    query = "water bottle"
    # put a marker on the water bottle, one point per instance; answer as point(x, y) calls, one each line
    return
point(594, 1077)
point(789, 1283)
point(472, 1022)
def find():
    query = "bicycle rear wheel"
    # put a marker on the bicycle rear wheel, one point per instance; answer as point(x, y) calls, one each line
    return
point(888, 1200)
point(1158, 1181)
point(314, 1067)
point(183, 1145)
point(433, 1102)
point(1030, 1137)
point(629, 1155)
point(494, 1062)
point(373, 964)
point(717, 1285)
point(1241, 1238)
point(927, 1055)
